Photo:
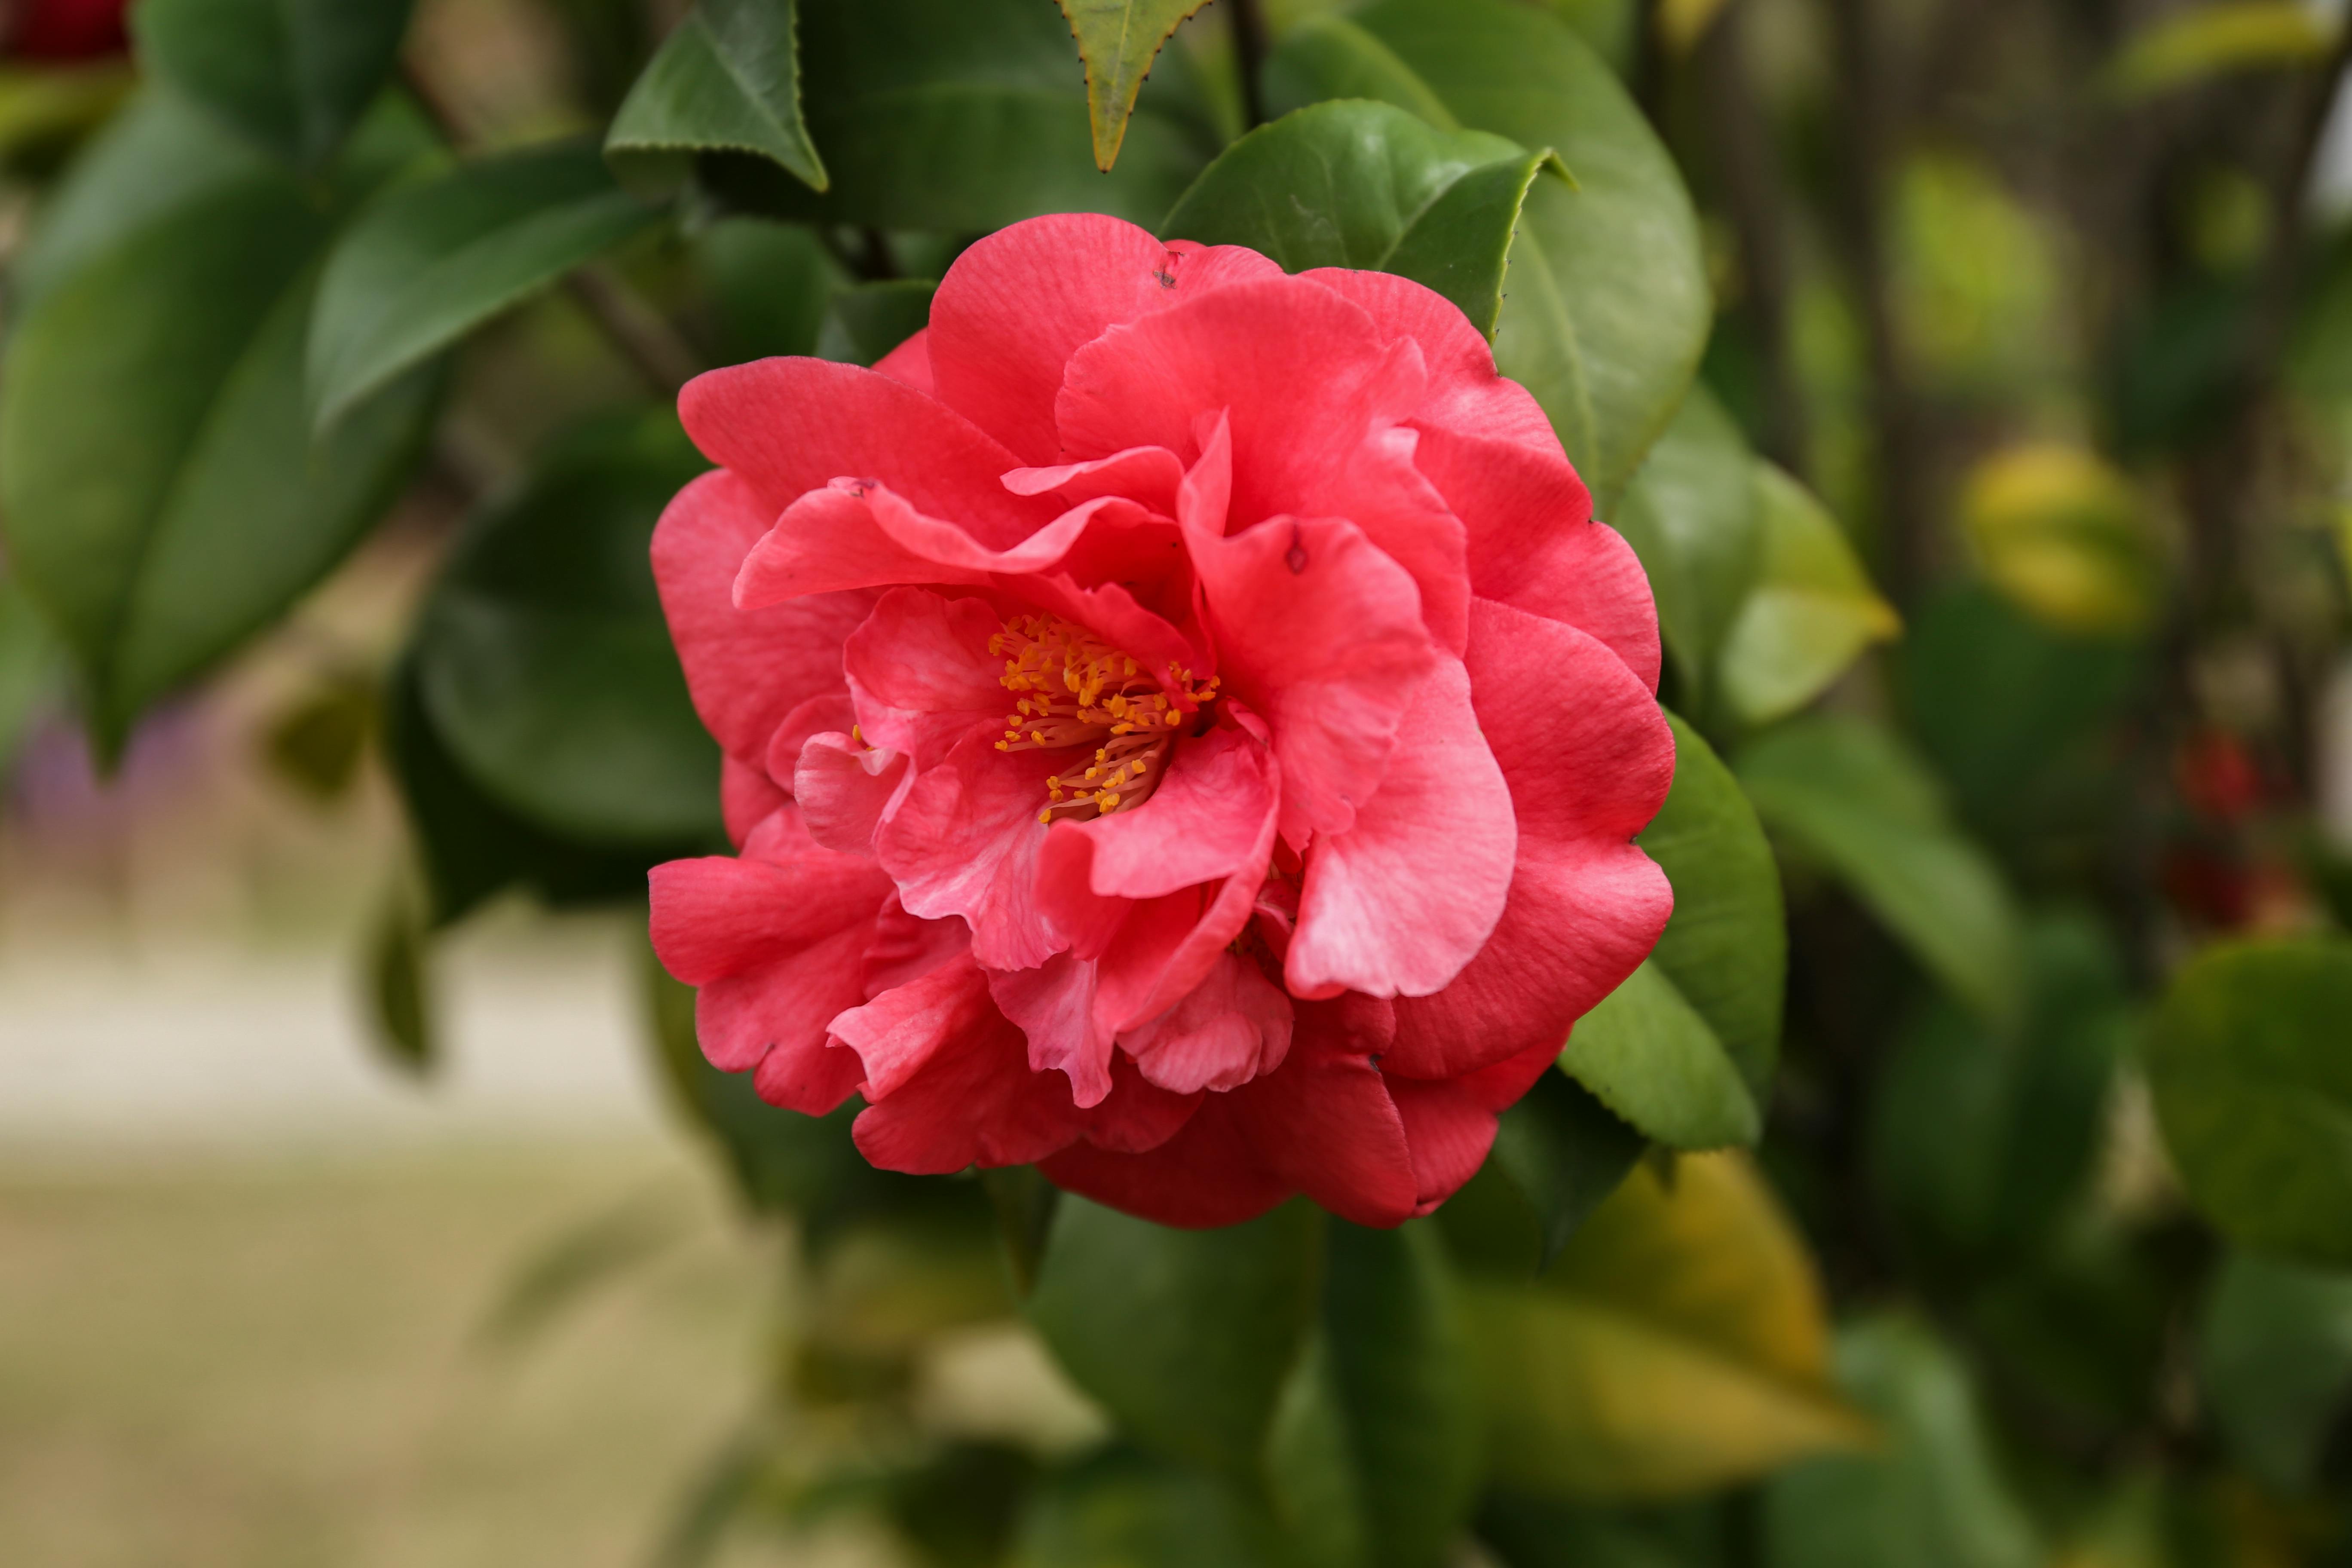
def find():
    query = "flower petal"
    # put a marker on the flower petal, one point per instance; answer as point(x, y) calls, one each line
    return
point(787, 426)
point(718, 916)
point(844, 790)
point(965, 841)
point(1396, 905)
point(1139, 1116)
point(1324, 1123)
point(1054, 1004)
point(1016, 305)
point(1233, 1026)
point(861, 533)
point(1464, 392)
point(746, 671)
point(1209, 1174)
point(746, 796)
point(909, 364)
point(1588, 758)
point(921, 674)
point(1450, 1123)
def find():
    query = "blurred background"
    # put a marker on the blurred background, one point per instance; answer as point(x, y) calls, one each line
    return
point(319, 1246)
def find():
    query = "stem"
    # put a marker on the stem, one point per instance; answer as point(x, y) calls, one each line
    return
point(1249, 59)
point(1894, 415)
point(1752, 179)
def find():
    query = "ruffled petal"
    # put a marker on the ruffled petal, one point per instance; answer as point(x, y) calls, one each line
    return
point(846, 790)
point(1396, 905)
point(1233, 1026)
point(921, 674)
point(909, 364)
point(1450, 1123)
point(861, 533)
point(965, 841)
point(1054, 1004)
point(746, 671)
point(746, 796)
point(787, 426)
point(1209, 1174)
point(1465, 391)
point(1325, 1124)
point(1139, 1116)
point(1588, 758)
point(1015, 306)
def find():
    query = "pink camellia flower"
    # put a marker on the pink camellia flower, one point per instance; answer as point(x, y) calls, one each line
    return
point(1183, 725)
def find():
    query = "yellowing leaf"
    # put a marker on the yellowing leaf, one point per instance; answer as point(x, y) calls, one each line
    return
point(1682, 23)
point(1677, 1346)
point(1812, 613)
point(2059, 533)
point(2204, 41)
point(1119, 40)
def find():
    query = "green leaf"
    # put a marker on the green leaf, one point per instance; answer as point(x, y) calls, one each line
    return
point(1979, 1137)
point(316, 744)
point(1727, 947)
point(1850, 796)
point(1366, 185)
point(1119, 41)
point(2276, 1357)
point(1931, 1499)
point(728, 79)
point(399, 991)
point(471, 848)
point(543, 658)
point(1185, 1337)
point(2200, 42)
point(1653, 1059)
point(1541, 1532)
point(2253, 1090)
point(1330, 58)
point(771, 284)
point(1376, 1453)
point(1607, 308)
point(1559, 1153)
point(959, 117)
point(435, 259)
point(1685, 1049)
point(1812, 613)
point(29, 668)
point(866, 321)
point(1677, 1346)
point(295, 75)
point(1125, 1509)
point(1694, 516)
point(164, 498)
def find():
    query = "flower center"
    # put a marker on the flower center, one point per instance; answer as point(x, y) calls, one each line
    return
point(1075, 690)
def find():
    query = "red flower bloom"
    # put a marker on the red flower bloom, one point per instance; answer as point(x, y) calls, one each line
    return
point(64, 29)
point(1183, 725)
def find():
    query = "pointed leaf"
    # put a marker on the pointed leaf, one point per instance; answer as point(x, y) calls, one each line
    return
point(1852, 797)
point(1562, 1152)
point(1678, 1345)
point(727, 80)
point(1695, 517)
point(1653, 1059)
point(435, 259)
point(2276, 1357)
point(295, 75)
point(30, 668)
point(399, 992)
point(1812, 613)
point(1126, 1509)
point(1119, 40)
point(1185, 1337)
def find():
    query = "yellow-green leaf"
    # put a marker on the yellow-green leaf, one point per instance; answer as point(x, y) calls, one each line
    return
point(1677, 1346)
point(2060, 532)
point(1812, 612)
point(1119, 40)
point(2190, 45)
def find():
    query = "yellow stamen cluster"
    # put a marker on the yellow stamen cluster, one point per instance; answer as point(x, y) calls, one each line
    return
point(1075, 690)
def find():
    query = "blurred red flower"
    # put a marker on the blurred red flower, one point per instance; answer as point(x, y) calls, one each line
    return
point(63, 30)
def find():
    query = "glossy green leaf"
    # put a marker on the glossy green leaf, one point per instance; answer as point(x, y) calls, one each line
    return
point(1328, 58)
point(1676, 1346)
point(543, 657)
point(1932, 1498)
point(1608, 306)
point(1559, 1153)
point(1850, 796)
point(295, 75)
point(772, 286)
point(1375, 1456)
point(866, 321)
point(1653, 1060)
point(1685, 1049)
point(1811, 613)
point(2274, 1353)
point(961, 116)
point(435, 259)
point(1694, 516)
point(1367, 185)
point(1139, 1512)
point(1185, 1337)
point(2253, 1090)
point(471, 848)
point(1979, 1137)
point(163, 495)
point(727, 79)
point(1727, 947)
point(1119, 40)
